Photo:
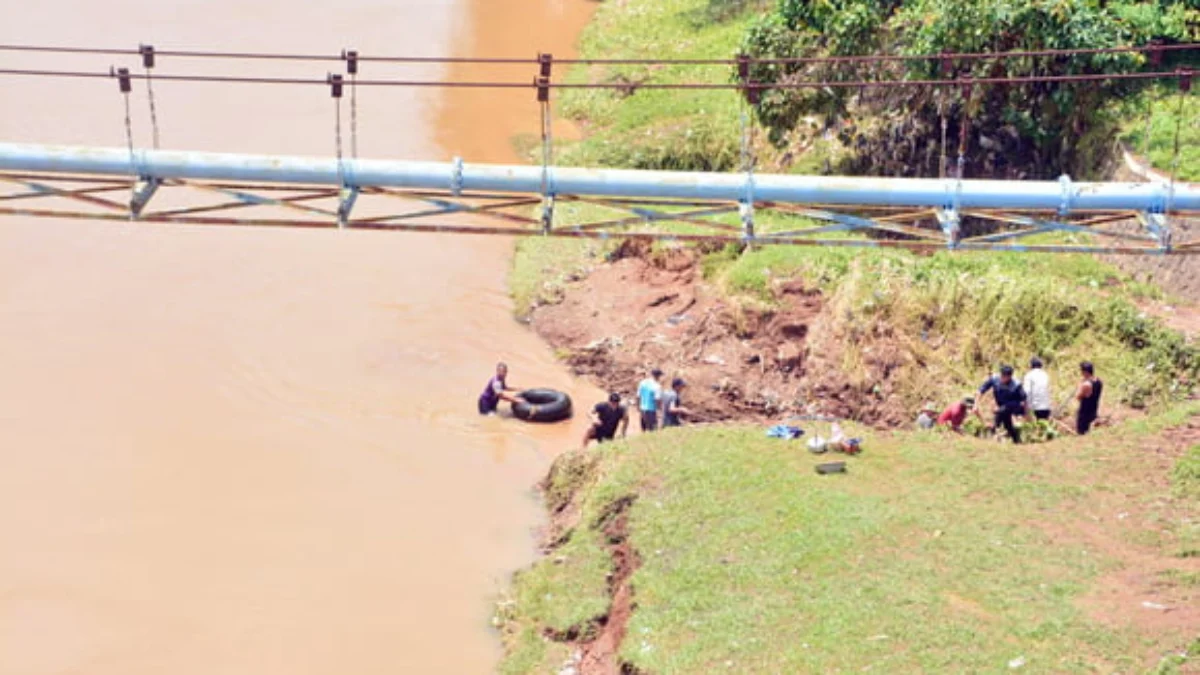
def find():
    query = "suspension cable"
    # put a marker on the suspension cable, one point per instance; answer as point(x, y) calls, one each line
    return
point(886, 84)
point(866, 58)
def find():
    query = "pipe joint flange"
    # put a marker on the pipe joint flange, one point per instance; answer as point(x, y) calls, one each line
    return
point(456, 177)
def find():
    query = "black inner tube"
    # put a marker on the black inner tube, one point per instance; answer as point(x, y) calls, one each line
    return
point(552, 406)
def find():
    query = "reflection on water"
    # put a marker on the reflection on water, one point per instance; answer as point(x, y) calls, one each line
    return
point(250, 451)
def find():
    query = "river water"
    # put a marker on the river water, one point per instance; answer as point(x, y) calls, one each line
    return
point(249, 451)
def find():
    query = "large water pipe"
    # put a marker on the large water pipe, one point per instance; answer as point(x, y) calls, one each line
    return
point(1062, 195)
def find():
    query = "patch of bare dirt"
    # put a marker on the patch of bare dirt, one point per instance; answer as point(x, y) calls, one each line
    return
point(1153, 588)
point(649, 310)
point(598, 644)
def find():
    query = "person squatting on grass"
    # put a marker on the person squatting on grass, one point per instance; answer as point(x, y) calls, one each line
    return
point(606, 417)
point(1010, 400)
point(956, 413)
point(650, 399)
point(1036, 384)
point(1088, 395)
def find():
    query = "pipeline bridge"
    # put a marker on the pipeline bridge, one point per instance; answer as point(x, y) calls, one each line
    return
point(158, 186)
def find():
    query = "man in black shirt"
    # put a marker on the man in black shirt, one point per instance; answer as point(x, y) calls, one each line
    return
point(1088, 396)
point(1010, 400)
point(606, 417)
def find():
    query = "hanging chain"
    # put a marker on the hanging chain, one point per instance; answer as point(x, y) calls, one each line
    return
point(1175, 157)
point(547, 144)
point(942, 149)
point(129, 135)
point(147, 52)
point(125, 85)
point(337, 135)
point(153, 108)
point(542, 87)
point(334, 80)
point(354, 116)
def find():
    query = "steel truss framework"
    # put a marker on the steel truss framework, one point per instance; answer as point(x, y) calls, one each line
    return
point(402, 210)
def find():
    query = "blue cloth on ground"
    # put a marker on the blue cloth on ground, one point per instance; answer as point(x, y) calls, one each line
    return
point(784, 431)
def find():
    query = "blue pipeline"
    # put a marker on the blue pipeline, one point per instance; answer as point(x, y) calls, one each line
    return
point(833, 190)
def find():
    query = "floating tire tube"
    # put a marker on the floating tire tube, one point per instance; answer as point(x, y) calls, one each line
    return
point(552, 406)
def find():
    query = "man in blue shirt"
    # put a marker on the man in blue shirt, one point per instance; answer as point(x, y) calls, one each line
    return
point(649, 394)
point(1010, 400)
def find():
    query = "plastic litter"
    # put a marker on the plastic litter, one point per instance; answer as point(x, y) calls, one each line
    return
point(784, 431)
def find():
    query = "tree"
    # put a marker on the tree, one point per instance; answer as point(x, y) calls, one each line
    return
point(1016, 129)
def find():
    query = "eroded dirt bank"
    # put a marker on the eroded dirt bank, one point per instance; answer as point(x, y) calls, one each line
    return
point(645, 310)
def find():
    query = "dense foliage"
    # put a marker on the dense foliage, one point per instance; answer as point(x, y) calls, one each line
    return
point(1026, 129)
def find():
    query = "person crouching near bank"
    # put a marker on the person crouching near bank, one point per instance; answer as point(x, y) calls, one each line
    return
point(607, 416)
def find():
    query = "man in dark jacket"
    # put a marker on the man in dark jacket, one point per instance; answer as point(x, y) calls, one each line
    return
point(1010, 400)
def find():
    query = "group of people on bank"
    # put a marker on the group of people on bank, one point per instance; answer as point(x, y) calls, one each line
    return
point(660, 407)
point(611, 416)
point(654, 404)
point(1027, 397)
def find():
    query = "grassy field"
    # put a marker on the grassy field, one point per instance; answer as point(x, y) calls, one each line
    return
point(932, 554)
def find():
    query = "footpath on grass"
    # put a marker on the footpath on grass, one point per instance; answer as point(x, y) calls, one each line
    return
point(721, 550)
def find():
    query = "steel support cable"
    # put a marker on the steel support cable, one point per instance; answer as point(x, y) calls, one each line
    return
point(760, 86)
point(147, 53)
point(865, 58)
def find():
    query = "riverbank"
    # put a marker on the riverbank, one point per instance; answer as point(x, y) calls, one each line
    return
point(868, 334)
point(720, 550)
point(715, 549)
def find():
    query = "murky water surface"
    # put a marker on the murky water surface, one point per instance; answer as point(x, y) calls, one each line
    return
point(250, 451)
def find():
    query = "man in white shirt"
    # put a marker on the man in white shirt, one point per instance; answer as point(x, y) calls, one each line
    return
point(1037, 386)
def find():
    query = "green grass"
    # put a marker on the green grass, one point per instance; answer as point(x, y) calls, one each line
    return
point(933, 554)
point(1149, 126)
point(1186, 477)
point(659, 129)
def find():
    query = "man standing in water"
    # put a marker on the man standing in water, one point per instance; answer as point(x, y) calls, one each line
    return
point(1088, 396)
point(606, 417)
point(497, 390)
point(649, 395)
point(1037, 387)
point(1010, 400)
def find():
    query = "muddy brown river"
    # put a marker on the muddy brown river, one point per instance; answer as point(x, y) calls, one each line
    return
point(250, 451)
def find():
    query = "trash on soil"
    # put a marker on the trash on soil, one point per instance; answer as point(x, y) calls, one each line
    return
point(817, 445)
point(1156, 606)
point(831, 467)
point(784, 431)
point(1016, 663)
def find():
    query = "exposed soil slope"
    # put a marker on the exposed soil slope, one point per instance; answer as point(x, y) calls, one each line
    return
point(647, 310)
